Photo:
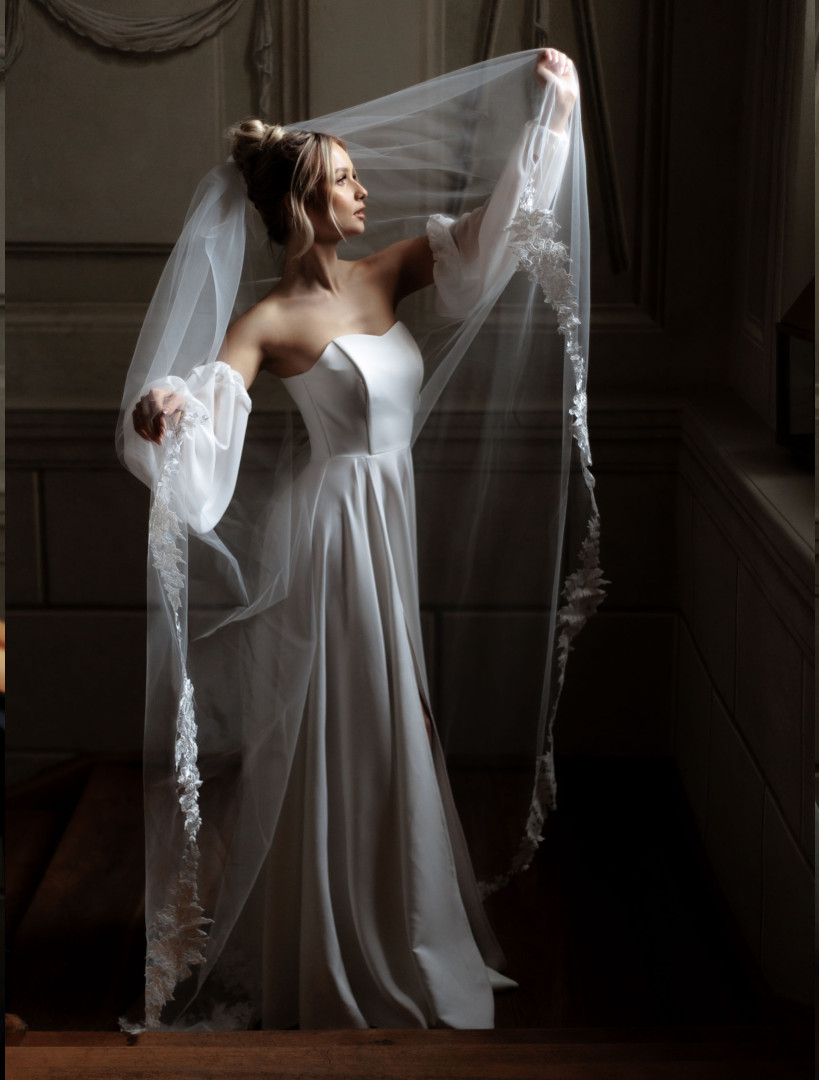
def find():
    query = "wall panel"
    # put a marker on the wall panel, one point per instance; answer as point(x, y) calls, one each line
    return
point(104, 153)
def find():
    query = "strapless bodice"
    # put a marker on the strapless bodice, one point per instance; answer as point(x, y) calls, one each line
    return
point(360, 396)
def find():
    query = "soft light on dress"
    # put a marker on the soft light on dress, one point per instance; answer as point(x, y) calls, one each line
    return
point(305, 860)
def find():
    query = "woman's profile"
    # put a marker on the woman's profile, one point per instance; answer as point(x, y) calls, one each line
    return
point(306, 865)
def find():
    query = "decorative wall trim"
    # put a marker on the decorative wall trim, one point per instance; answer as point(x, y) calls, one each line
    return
point(51, 438)
point(126, 34)
point(540, 24)
point(32, 316)
point(434, 38)
point(599, 122)
point(623, 318)
point(646, 261)
point(769, 94)
point(723, 452)
point(31, 249)
point(655, 127)
point(49, 317)
point(218, 98)
point(763, 504)
point(490, 30)
point(294, 59)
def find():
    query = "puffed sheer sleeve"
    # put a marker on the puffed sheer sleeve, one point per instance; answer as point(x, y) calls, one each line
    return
point(473, 261)
point(213, 428)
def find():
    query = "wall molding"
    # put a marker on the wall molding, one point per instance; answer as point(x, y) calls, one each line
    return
point(722, 451)
point(769, 93)
point(32, 249)
point(66, 316)
point(599, 120)
point(760, 501)
point(294, 61)
point(72, 438)
point(69, 317)
point(655, 125)
point(433, 25)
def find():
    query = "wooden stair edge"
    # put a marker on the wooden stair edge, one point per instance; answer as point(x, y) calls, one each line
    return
point(423, 1059)
point(734, 1035)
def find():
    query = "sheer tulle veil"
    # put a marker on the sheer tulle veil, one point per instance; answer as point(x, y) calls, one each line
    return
point(505, 357)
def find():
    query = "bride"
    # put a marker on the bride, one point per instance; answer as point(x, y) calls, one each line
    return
point(306, 865)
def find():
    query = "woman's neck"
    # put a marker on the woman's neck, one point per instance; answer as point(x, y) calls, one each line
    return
point(319, 267)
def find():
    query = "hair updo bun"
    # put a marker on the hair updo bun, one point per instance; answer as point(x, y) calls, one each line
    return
point(276, 163)
point(252, 136)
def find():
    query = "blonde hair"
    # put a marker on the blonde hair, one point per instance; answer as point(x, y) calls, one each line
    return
point(277, 163)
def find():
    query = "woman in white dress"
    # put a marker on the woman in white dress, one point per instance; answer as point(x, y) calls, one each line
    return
point(364, 910)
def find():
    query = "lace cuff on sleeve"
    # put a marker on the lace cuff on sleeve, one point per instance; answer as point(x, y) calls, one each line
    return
point(473, 257)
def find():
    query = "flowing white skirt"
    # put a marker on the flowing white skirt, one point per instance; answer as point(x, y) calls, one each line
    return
point(371, 911)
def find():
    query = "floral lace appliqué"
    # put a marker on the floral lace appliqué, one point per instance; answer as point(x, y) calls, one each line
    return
point(546, 261)
point(176, 938)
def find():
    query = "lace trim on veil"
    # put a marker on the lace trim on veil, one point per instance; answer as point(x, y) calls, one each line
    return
point(545, 260)
point(176, 936)
point(176, 939)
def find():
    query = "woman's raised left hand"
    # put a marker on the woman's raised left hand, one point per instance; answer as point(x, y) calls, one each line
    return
point(556, 69)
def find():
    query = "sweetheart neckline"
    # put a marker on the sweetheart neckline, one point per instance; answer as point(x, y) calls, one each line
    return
point(333, 341)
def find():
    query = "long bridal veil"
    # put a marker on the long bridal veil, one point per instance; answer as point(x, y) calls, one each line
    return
point(470, 157)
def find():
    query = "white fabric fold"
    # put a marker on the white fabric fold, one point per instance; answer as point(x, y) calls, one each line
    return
point(472, 256)
point(217, 407)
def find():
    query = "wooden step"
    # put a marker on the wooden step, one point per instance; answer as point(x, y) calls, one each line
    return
point(77, 951)
point(529, 1054)
point(617, 922)
point(613, 925)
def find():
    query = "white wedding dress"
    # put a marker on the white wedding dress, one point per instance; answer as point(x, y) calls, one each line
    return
point(365, 911)
point(373, 912)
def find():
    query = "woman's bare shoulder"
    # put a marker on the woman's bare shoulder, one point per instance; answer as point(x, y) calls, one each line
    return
point(282, 330)
point(270, 322)
point(268, 312)
point(255, 335)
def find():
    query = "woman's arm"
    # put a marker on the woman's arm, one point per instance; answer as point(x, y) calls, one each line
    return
point(410, 263)
point(243, 353)
point(473, 255)
point(553, 68)
point(213, 403)
point(209, 410)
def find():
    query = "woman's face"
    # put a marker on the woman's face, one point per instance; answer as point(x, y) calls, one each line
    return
point(347, 201)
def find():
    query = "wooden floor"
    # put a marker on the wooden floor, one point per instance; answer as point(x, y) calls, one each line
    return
point(530, 1054)
point(626, 962)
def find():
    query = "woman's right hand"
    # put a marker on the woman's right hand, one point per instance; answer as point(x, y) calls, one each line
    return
point(150, 412)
